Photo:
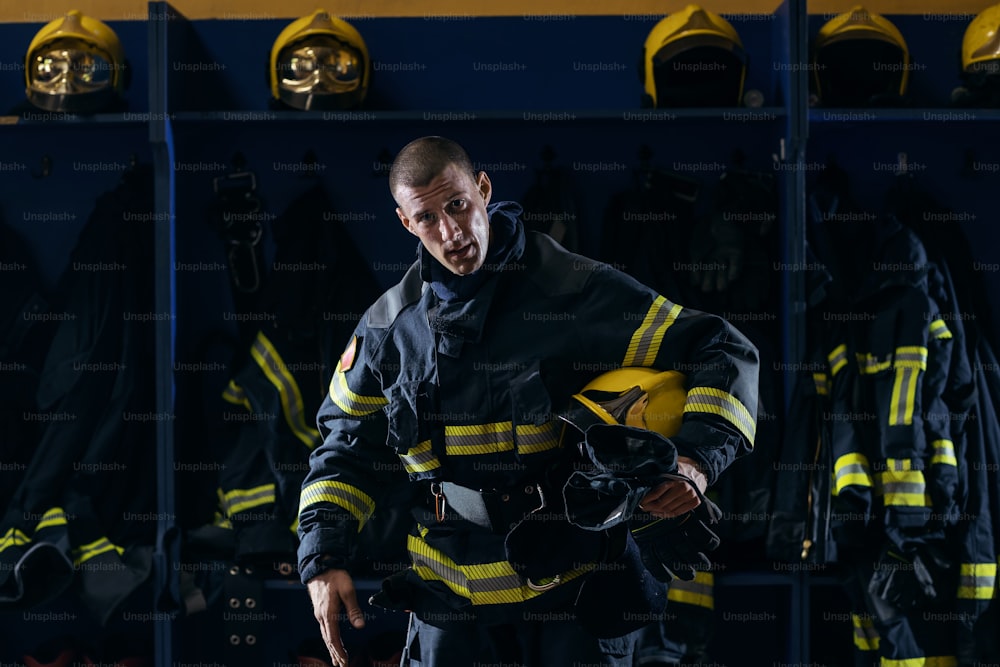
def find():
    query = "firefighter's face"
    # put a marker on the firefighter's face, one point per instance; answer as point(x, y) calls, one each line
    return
point(449, 217)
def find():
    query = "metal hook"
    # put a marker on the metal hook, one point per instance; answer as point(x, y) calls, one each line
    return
point(46, 168)
point(901, 166)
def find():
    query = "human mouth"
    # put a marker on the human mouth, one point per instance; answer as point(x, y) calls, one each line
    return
point(465, 252)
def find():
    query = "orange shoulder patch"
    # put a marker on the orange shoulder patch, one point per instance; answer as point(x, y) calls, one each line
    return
point(347, 358)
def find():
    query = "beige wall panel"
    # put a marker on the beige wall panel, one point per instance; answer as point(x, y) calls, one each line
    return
point(45, 10)
point(40, 11)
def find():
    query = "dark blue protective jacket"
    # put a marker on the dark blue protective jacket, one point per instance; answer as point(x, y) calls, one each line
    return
point(466, 391)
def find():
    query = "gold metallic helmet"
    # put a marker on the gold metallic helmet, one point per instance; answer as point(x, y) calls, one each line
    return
point(693, 57)
point(74, 64)
point(981, 43)
point(860, 59)
point(319, 62)
point(634, 396)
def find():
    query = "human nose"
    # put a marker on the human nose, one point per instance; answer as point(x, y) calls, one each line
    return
point(450, 229)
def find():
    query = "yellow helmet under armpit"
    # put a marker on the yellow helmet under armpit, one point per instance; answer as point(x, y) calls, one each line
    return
point(633, 396)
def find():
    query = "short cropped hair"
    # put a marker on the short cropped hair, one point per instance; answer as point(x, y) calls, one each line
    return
point(421, 160)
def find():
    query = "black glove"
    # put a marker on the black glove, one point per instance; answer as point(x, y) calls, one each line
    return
point(627, 462)
point(675, 548)
point(917, 576)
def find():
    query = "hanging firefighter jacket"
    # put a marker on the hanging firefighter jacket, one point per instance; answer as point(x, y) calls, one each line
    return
point(720, 262)
point(731, 268)
point(84, 512)
point(24, 339)
point(723, 263)
point(896, 483)
point(971, 394)
point(550, 204)
point(799, 530)
point(307, 303)
point(647, 227)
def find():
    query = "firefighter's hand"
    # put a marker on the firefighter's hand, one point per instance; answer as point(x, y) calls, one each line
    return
point(674, 497)
point(328, 591)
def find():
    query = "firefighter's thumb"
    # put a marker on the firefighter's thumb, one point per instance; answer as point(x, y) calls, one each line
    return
point(351, 608)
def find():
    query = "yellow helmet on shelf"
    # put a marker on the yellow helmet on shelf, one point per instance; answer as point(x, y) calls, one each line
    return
point(632, 396)
point(981, 42)
point(860, 59)
point(319, 62)
point(693, 57)
point(75, 64)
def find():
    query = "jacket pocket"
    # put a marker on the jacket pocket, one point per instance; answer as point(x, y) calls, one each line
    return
point(536, 429)
point(410, 429)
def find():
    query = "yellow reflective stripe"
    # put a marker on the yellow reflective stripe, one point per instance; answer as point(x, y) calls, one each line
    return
point(851, 470)
point(944, 453)
point(977, 581)
point(54, 517)
point(96, 548)
point(420, 458)
point(645, 343)
point(837, 359)
point(697, 592)
point(349, 402)
point(295, 526)
point(822, 384)
point(910, 356)
point(12, 538)
point(869, 364)
point(939, 329)
point(480, 583)
point(903, 486)
point(267, 357)
point(904, 394)
point(472, 439)
point(865, 635)
point(240, 500)
point(717, 402)
point(533, 439)
point(928, 661)
point(233, 393)
point(351, 498)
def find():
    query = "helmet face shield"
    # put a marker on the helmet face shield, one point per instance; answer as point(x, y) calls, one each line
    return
point(317, 67)
point(860, 73)
point(319, 62)
point(703, 76)
point(860, 59)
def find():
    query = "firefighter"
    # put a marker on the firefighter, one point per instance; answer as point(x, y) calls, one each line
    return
point(451, 387)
